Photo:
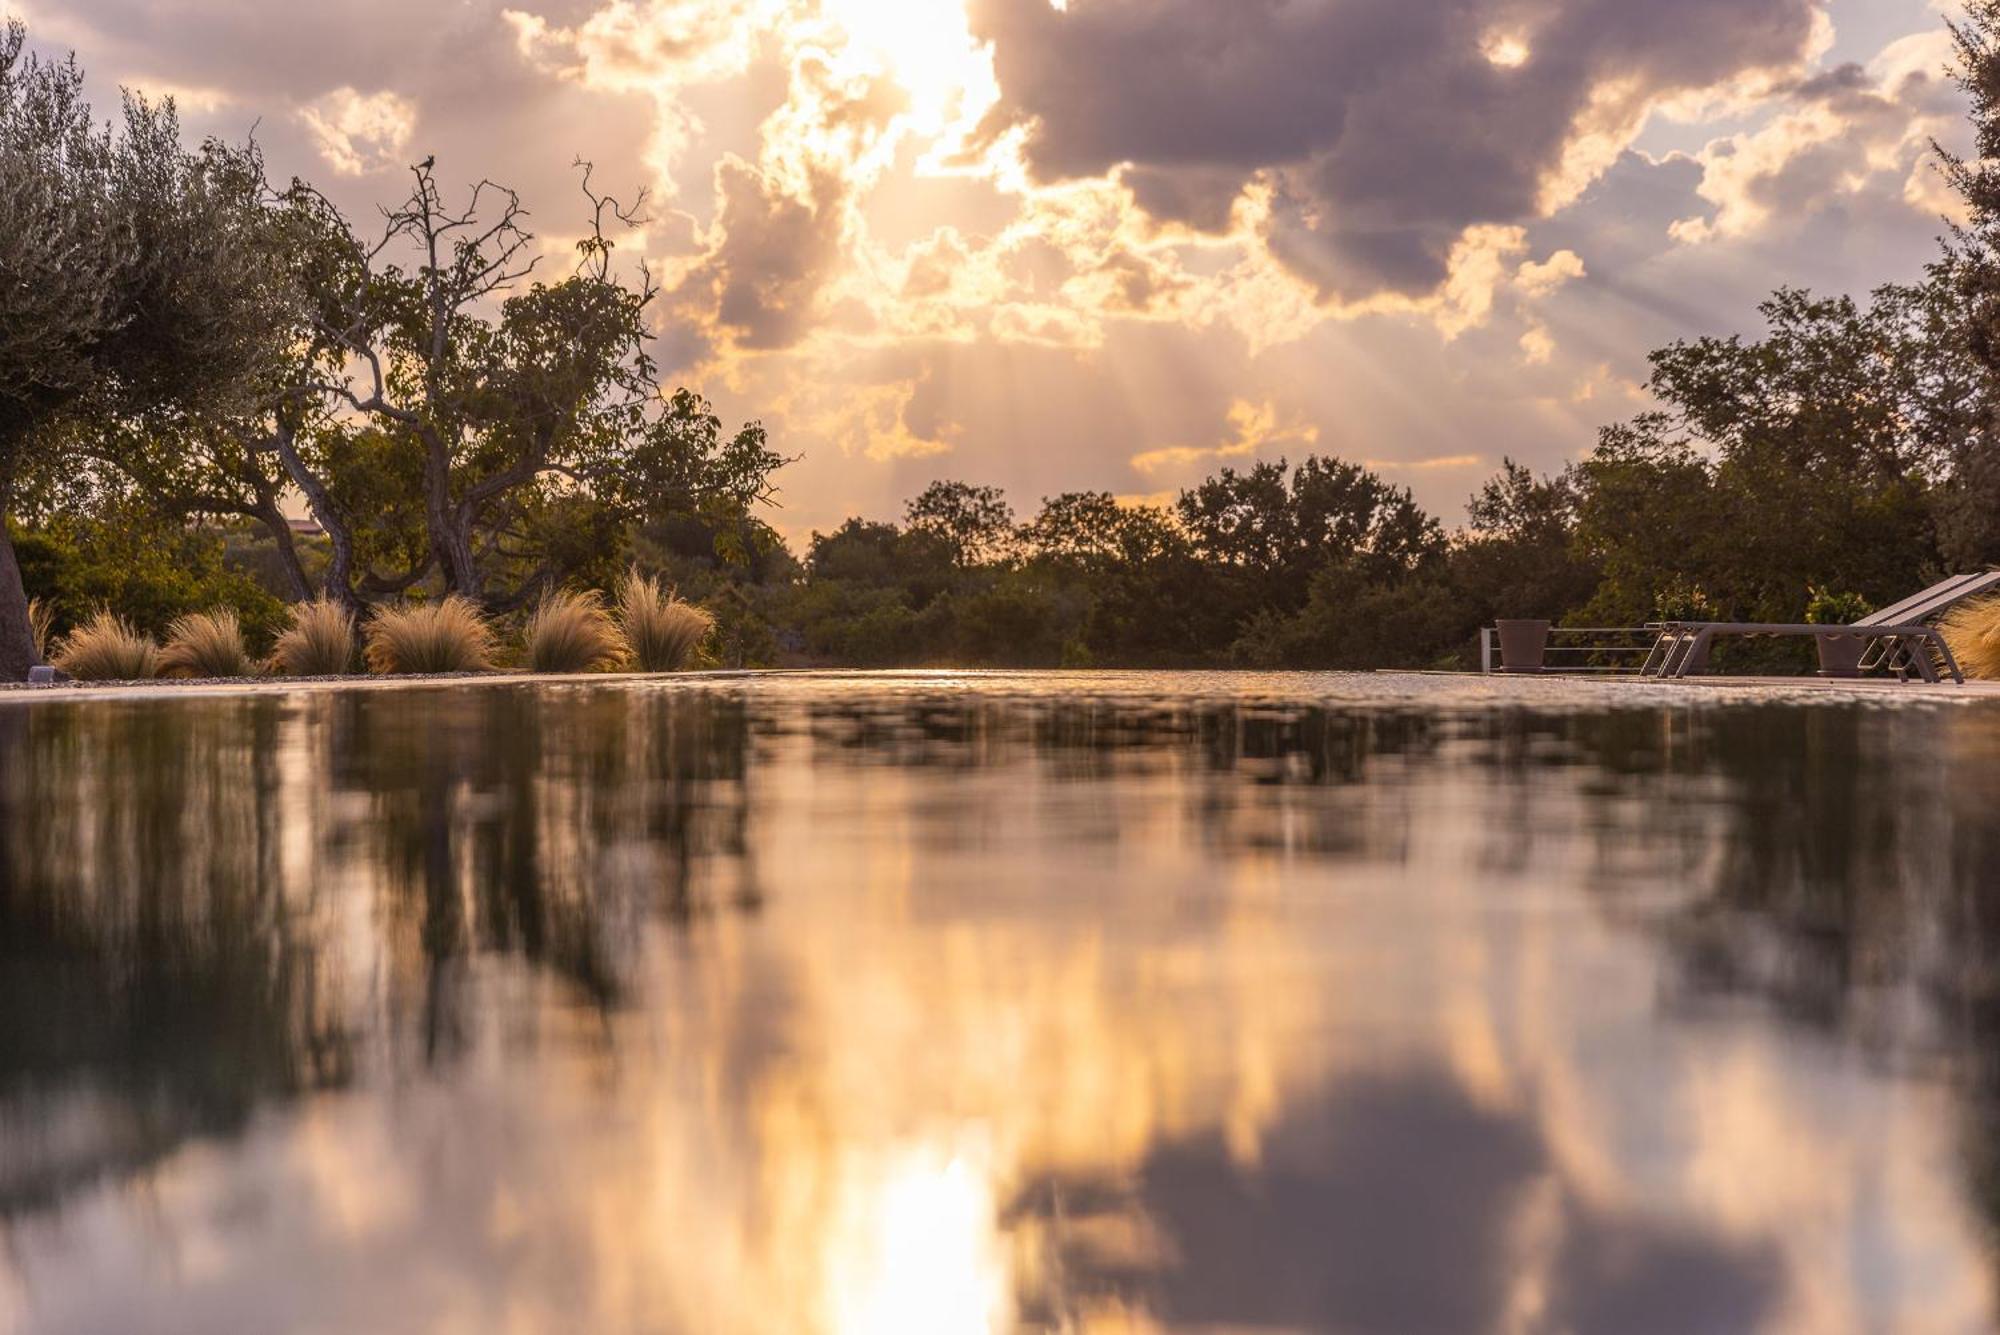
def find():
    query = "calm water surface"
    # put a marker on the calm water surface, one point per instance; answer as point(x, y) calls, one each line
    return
point(934, 1004)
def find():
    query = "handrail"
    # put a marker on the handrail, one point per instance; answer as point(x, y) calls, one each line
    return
point(1489, 656)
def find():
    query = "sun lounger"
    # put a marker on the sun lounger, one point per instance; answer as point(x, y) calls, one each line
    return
point(1900, 639)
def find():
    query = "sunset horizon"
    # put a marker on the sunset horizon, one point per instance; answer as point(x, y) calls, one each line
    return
point(1120, 244)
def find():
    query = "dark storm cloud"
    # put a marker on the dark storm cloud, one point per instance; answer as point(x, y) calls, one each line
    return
point(1383, 125)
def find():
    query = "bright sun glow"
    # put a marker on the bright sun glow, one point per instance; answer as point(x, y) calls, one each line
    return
point(926, 48)
point(1506, 50)
point(919, 1253)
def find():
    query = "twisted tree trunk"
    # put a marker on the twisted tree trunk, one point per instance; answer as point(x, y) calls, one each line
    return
point(17, 639)
point(279, 527)
point(449, 522)
point(339, 581)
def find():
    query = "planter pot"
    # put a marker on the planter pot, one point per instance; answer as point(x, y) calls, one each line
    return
point(1840, 655)
point(1523, 645)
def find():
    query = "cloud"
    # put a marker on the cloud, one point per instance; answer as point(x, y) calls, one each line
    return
point(1050, 239)
point(1538, 278)
point(761, 281)
point(1387, 132)
point(1254, 429)
point(358, 133)
point(656, 50)
point(1852, 133)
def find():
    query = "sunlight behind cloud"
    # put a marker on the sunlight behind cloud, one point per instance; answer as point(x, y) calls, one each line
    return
point(1507, 50)
point(926, 48)
point(357, 133)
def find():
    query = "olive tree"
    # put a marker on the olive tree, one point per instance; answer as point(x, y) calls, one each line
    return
point(134, 274)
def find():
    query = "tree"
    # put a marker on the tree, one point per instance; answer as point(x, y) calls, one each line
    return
point(1970, 265)
point(530, 414)
point(1274, 531)
point(1826, 451)
point(1149, 597)
point(1517, 556)
point(1968, 506)
point(974, 523)
point(1092, 529)
point(133, 273)
point(1328, 511)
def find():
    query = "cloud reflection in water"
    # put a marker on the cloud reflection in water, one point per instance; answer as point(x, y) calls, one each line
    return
point(825, 1005)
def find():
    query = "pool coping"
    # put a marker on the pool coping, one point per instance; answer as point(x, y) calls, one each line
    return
point(249, 687)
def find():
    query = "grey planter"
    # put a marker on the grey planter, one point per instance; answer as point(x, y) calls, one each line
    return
point(1840, 655)
point(1523, 645)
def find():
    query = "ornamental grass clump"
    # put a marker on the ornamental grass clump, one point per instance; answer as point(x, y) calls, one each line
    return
point(572, 632)
point(106, 648)
point(661, 630)
point(1972, 629)
point(206, 644)
point(319, 642)
point(41, 622)
point(448, 636)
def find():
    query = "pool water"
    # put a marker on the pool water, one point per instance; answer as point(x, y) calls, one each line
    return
point(989, 1002)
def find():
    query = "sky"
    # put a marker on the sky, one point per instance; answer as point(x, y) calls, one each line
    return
point(1058, 245)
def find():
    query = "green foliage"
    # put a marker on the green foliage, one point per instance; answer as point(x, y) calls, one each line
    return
point(1678, 600)
point(149, 567)
point(1352, 621)
point(974, 524)
point(1824, 607)
point(1518, 556)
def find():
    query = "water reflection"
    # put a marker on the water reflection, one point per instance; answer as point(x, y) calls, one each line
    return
point(934, 1005)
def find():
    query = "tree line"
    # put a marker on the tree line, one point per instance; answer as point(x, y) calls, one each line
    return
point(188, 350)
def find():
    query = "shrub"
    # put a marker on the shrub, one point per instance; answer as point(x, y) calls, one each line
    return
point(318, 643)
point(106, 648)
point(572, 632)
point(661, 631)
point(41, 620)
point(449, 636)
point(1824, 607)
point(1972, 630)
point(206, 644)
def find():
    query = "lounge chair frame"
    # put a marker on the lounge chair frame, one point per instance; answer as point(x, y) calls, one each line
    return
point(1682, 649)
point(1900, 640)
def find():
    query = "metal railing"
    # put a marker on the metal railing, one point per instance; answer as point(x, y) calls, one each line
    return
point(1608, 650)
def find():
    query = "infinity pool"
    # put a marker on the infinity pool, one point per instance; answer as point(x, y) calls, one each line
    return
point(939, 1003)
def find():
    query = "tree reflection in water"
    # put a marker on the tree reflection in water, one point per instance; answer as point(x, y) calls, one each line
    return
point(1149, 1003)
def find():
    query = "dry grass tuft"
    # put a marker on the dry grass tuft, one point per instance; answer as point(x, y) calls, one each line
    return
point(41, 621)
point(106, 648)
point(572, 632)
point(448, 636)
point(1972, 630)
point(318, 643)
point(662, 631)
point(206, 644)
